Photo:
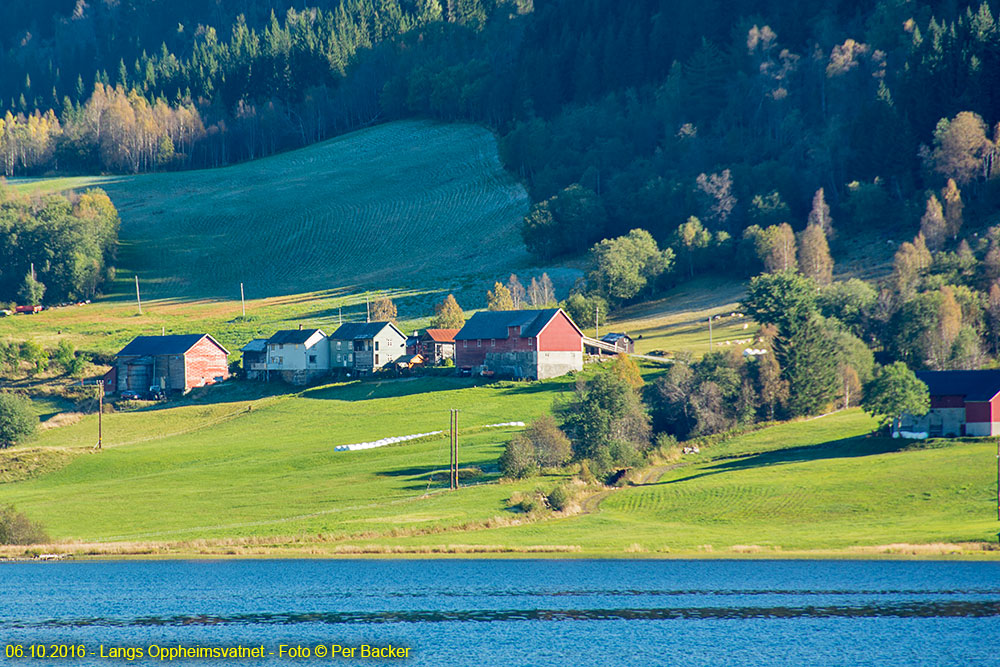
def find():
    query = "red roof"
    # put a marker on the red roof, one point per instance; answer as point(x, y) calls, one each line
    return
point(442, 335)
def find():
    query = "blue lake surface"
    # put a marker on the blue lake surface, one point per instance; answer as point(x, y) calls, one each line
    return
point(517, 612)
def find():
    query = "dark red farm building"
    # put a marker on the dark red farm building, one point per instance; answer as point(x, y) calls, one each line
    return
point(962, 403)
point(533, 344)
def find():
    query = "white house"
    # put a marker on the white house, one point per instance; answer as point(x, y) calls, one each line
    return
point(298, 356)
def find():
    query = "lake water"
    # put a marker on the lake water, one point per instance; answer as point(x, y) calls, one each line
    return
point(516, 612)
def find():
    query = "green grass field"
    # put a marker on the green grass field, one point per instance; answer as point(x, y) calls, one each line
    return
point(268, 478)
point(677, 321)
point(396, 206)
point(211, 468)
point(820, 485)
point(412, 209)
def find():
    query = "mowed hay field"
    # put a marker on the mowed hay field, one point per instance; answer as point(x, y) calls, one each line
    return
point(820, 486)
point(215, 477)
point(229, 465)
point(399, 205)
point(677, 321)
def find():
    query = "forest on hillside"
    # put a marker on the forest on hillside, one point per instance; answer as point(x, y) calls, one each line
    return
point(616, 115)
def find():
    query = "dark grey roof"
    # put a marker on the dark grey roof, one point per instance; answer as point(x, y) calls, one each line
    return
point(973, 385)
point(291, 336)
point(494, 323)
point(157, 345)
point(614, 337)
point(256, 345)
point(362, 330)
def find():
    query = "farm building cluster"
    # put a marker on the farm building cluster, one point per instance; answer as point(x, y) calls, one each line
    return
point(963, 403)
point(522, 344)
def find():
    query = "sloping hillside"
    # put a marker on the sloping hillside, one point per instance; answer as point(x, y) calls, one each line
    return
point(404, 204)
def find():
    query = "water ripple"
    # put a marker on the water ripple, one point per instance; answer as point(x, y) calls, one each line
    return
point(932, 609)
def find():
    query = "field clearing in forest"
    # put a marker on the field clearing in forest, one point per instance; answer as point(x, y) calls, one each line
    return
point(395, 206)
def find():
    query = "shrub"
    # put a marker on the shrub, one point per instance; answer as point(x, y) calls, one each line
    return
point(560, 498)
point(550, 444)
point(518, 458)
point(17, 419)
point(447, 362)
point(527, 503)
point(16, 528)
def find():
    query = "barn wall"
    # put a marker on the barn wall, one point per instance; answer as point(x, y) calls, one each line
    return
point(205, 363)
point(947, 401)
point(559, 335)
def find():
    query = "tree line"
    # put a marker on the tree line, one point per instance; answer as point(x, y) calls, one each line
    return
point(56, 247)
point(615, 117)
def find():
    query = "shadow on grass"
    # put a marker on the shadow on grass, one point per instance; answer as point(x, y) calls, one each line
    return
point(231, 391)
point(834, 449)
point(372, 388)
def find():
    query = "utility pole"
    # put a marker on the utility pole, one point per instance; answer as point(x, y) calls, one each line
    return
point(243, 302)
point(453, 450)
point(137, 299)
point(709, 333)
point(100, 414)
point(368, 309)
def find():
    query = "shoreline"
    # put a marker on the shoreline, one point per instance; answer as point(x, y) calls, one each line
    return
point(982, 551)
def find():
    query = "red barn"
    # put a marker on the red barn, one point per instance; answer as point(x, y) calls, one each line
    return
point(534, 344)
point(173, 363)
point(962, 403)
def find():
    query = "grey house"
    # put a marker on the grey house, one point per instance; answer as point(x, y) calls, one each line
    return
point(255, 359)
point(366, 346)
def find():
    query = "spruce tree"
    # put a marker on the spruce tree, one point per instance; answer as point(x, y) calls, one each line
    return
point(810, 367)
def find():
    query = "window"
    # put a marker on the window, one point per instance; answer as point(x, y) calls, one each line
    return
point(338, 344)
point(376, 360)
point(312, 358)
point(281, 346)
point(465, 343)
point(338, 357)
point(493, 342)
point(350, 358)
point(376, 345)
point(479, 342)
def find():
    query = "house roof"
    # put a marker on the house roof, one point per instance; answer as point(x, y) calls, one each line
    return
point(362, 330)
point(256, 345)
point(410, 359)
point(292, 336)
point(494, 323)
point(158, 345)
point(973, 385)
point(614, 337)
point(442, 335)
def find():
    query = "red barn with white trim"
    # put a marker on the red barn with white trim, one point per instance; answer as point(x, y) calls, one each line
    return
point(534, 344)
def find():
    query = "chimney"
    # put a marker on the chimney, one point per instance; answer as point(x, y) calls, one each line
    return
point(300, 327)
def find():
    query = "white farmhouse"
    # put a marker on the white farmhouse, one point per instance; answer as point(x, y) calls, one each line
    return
point(298, 356)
